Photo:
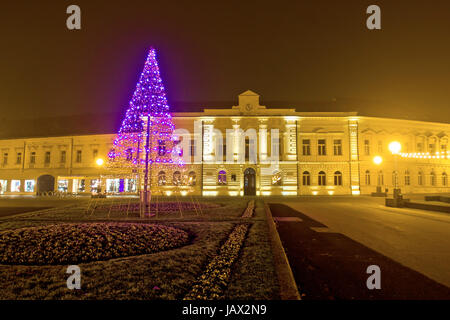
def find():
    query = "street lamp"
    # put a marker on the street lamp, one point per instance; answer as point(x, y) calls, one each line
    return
point(99, 162)
point(378, 160)
point(395, 147)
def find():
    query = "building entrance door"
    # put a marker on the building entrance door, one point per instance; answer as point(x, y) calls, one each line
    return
point(249, 182)
point(45, 183)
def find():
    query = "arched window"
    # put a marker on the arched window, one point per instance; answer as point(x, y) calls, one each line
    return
point(192, 179)
point(407, 178)
point(420, 178)
point(176, 178)
point(338, 178)
point(306, 178)
point(222, 177)
point(432, 178)
point(276, 178)
point(380, 181)
point(367, 177)
point(161, 178)
point(322, 178)
point(444, 179)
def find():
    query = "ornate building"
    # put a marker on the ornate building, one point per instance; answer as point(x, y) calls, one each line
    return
point(264, 152)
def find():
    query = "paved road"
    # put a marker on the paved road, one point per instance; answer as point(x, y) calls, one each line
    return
point(417, 239)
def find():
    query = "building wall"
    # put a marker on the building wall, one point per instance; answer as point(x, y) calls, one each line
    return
point(335, 150)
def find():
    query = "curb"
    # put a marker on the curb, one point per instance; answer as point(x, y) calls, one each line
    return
point(288, 287)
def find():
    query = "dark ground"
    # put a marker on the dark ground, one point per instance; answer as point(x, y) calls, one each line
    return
point(9, 211)
point(332, 266)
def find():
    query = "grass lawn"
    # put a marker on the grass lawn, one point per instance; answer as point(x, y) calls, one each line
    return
point(163, 275)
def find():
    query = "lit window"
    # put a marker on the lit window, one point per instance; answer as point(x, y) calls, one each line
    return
point(161, 148)
point(306, 147)
point(176, 178)
point(338, 147)
point(29, 185)
point(420, 178)
point(432, 178)
point(192, 180)
point(161, 178)
point(276, 178)
point(367, 147)
point(306, 178)
point(368, 177)
point(222, 177)
point(407, 178)
point(322, 179)
point(63, 185)
point(47, 157)
point(63, 156)
point(15, 185)
point(338, 178)
point(321, 147)
point(380, 180)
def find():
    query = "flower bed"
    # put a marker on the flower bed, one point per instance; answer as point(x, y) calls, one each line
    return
point(215, 278)
point(248, 213)
point(85, 242)
point(161, 206)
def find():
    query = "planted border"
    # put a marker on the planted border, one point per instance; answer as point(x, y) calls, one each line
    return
point(86, 242)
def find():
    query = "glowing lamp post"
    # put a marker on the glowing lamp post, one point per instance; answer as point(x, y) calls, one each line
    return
point(378, 160)
point(395, 147)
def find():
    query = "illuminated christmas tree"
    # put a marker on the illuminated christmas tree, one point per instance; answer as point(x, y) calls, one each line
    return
point(145, 139)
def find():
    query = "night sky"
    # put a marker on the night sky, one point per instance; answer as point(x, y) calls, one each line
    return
point(312, 55)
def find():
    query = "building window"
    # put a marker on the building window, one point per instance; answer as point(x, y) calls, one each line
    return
point(276, 178)
point(19, 158)
point(367, 177)
point(15, 185)
point(63, 156)
point(176, 178)
point(322, 178)
point(321, 147)
point(306, 147)
point(47, 157)
point(193, 148)
point(380, 146)
point(407, 178)
point(222, 177)
point(78, 158)
point(95, 154)
point(367, 147)
point(380, 179)
point(419, 147)
point(444, 179)
point(444, 148)
point(276, 146)
point(306, 178)
point(394, 178)
point(5, 158)
point(338, 147)
point(338, 178)
point(233, 177)
point(161, 148)
point(432, 178)
point(161, 178)
point(432, 148)
point(192, 180)
point(420, 178)
point(29, 185)
point(33, 157)
point(129, 154)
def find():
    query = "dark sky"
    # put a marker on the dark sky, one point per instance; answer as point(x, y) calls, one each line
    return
point(314, 55)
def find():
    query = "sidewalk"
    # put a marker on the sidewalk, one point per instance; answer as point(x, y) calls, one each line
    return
point(329, 265)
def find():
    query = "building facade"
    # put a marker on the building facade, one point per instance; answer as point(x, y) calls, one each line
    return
point(278, 152)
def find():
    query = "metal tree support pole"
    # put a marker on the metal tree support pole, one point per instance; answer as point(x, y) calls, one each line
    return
point(147, 151)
